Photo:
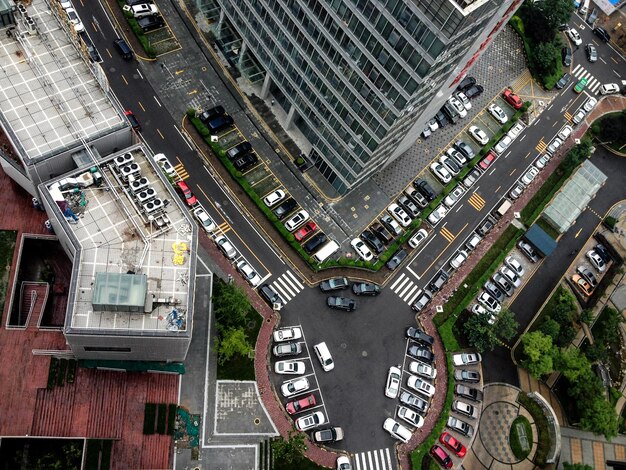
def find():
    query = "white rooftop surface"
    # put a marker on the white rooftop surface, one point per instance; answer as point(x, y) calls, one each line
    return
point(48, 95)
point(116, 236)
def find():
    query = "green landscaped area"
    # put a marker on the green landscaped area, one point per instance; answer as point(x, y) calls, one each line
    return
point(610, 130)
point(7, 246)
point(521, 437)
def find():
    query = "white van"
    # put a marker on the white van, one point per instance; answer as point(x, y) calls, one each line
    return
point(584, 9)
point(323, 354)
point(502, 209)
point(326, 251)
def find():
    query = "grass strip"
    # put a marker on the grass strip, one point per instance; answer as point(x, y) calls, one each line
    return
point(515, 437)
point(541, 422)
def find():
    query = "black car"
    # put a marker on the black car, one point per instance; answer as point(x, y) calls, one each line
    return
point(420, 336)
point(365, 288)
point(468, 392)
point(396, 259)
point(485, 227)
point(474, 91)
point(602, 33)
point(285, 208)
point(563, 81)
point(450, 112)
point(341, 303)
point(563, 27)
point(414, 402)
point(271, 296)
point(603, 252)
point(220, 123)
point(212, 113)
point(336, 283)
point(132, 119)
point(239, 150)
point(421, 353)
point(588, 275)
point(315, 242)
point(438, 281)
point(425, 189)
point(441, 119)
point(245, 162)
point(148, 23)
point(465, 149)
point(494, 291)
point(504, 284)
point(381, 233)
point(466, 83)
point(566, 54)
point(371, 239)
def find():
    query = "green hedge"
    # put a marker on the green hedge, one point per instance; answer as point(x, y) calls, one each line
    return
point(149, 415)
point(161, 418)
point(171, 418)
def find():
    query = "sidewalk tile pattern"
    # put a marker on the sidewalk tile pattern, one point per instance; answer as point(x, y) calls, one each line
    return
point(238, 410)
point(577, 451)
point(495, 426)
point(598, 454)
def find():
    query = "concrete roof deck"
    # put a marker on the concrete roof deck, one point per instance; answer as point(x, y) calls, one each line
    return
point(116, 235)
point(48, 95)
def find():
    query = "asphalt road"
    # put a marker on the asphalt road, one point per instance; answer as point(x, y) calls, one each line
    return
point(366, 342)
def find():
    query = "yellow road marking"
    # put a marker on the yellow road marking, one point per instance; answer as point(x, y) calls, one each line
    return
point(141, 106)
point(578, 233)
point(527, 155)
point(514, 170)
point(180, 169)
point(476, 201)
point(541, 146)
point(498, 188)
point(568, 116)
point(447, 234)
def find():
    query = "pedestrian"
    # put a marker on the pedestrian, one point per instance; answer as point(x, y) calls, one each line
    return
point(272, 102)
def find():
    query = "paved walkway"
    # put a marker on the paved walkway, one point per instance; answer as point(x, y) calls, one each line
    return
point(587, 448)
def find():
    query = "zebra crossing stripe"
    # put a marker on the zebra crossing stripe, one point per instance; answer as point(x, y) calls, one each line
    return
point(287, 286)
point(285, 297)
point(388, 457)
point(406, 289)
point(575, 69)
point(400, 277)
point(369, 457)
point(295, 280)
point(376, 460)
point(410, 294)
point(357, 460)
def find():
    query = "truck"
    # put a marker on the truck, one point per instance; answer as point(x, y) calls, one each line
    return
point(502, 209)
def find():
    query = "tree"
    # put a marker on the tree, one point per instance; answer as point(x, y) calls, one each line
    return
point(599, 417)
point(573, 364)
point(233, 341)
point(485, 336)
point(289, 451)
point(506, 326)
point(586, 316)
point(551, 328)
point(576, 466)
point(230, 305)
point(544, 57)
point(539, 351)
point(566, 335)
point(556, 12)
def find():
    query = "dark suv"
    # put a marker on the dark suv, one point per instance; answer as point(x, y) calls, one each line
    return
point(381, 233)
point(246, 161)
point(315, 242)
point(148, 23)
point(271, 296)
point(419, 335)
point(239, 150)
point(365, 288)
point(212, 113)
point(425, 189)
point(466, 83)
point(474, 91)
point(602, 34)
point(396, 259)
point(372, 241)
point(285, 208)
point(566, 54)
point(220, 123)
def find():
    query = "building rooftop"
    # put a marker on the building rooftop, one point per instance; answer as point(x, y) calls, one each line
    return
point(134, 246)
point(49, 99)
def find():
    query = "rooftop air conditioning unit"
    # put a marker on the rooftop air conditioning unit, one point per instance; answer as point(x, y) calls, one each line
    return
point(138, 184)
point(122, 160)
point(153, 206)
point(32, 26)
point(130, 169)
point(22, 9)
point(146, 195)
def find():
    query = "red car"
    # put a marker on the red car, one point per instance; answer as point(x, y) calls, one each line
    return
point(513, 99)
point(190, 199)
point(441, 457)
point(132, 119)
point(488, 160)
point(451, 443)
point(302, 404)
point(305, 231)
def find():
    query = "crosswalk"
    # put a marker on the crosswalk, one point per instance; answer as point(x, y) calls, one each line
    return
point(287, 285)
point(373, 460)
point(447, 234)
point(541, 146)
point(405, 288)
point(182, 173)
point(592, 83)
point(476, 202)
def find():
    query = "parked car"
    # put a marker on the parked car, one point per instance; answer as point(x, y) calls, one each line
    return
point(466, 359)
point(489, 302)
point(589, 104)
point(511, 276)
point(287, 349)
point(410, 417)
point(423, 298)
point(341, 303)
point(226, 247)
point(416, 196)
point(503, 284)
point(563, 81)
point(437, 214)
point(161, 160)
point(290, 333)
point(484, 228)
point(150, 23)
point(396, 430)
point(425, 189)
point(460, 426)
point(566, 56)
point(457, 261)
point(450, 165)
point(418, 238)
point(513, 99)
point(391, 225)
point(478, 135)
point(596, 260)
point(513, 263)
point(464, 375)
point(132, 120)
point(466, 83)
point(458, 106)
point(453, 197)
point(421, 353)
point(305, 231)
point(245, 162)
point(310, 421)
point(471, 178)
point(285, 208)
point(398, 213)
point(315, 242)
point(289, 367)
point(464, 100)
point(574, 36)
point(409, 206)
point(248, 273)
point(602, 33)
point(423, 370)
point(343, 463)
point(396, 259)
point(335, 283)
point(408, 399)
point(392, 388)
point(488, 160)
point(516, 191)
point(274, 197)
point(361, 249)
point(381, 233)
point(457, 156)
point(239, 150)
point(465, 149)
point(529, 176)
point(205, 221)
point(271, 296)
point(211, 113)
point(582, 284)
point(365, 288)
point(465, 409)
point(440, 172)
point(419, 335)
point(587, 275)
point(474, 91)
point(502, 144)
point(603, 252)
point(494, 291)
point(293, 387)
point(528, 251)
point(297, 220)
point(592, 53)
point(468, 392)
point(327, 436)
point(301, 404)
point(497, 113)
point(219, 123)
point(438, 281)
point(451, 443)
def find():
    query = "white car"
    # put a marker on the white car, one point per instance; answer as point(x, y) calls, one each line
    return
point(205, 221)
point(511, 276)
point(65, 4)
point(542, 161)
point(397, 430)
point(418, 238)
point(480, 310)
point(589, 104)
point(457, 156)
point(449, 165)
point(503, 144)
point(465, 100)
point(579, 116)
point(515, 265)
point(554, 145)
point(75, 20)
point(410, 417)
point(294, 386)
point(440, 172)
point(596, 260)
point(362, 249)
point(465, 409)
point(497, 113)
point(398, 213)
point(343, 463)
point(297, 220)
point(458, 260)
point(423, 370)
point(529, 176)
point(289, 333)
point(454, 196)
point(248, 273)
point(478, 135)
point(575, 37)
point(487, 301)
point(565, 132)
point(465, 359)
point(274, 197)
point(609, 89)
point(436, 215)
point(144, 9)
point(393, 382)
point(421, 386)
point(310, 421)
point(290, 367)
point(226, 246)
point(458, 106)
point(516, 129)
point(516, 191)
point(165, 165)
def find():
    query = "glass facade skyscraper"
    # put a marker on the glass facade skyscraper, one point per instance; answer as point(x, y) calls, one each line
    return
point(363, 77)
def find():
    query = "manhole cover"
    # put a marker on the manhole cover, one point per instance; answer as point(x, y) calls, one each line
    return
point(344, 345)
point(257, 421)
point(364, 354)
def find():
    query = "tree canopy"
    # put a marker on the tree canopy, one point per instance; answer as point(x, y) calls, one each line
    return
point(485, 336)
point(540, 352)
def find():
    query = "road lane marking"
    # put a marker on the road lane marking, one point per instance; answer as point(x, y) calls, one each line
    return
point(413, 272)
point(476, 202)
point(447, 234)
